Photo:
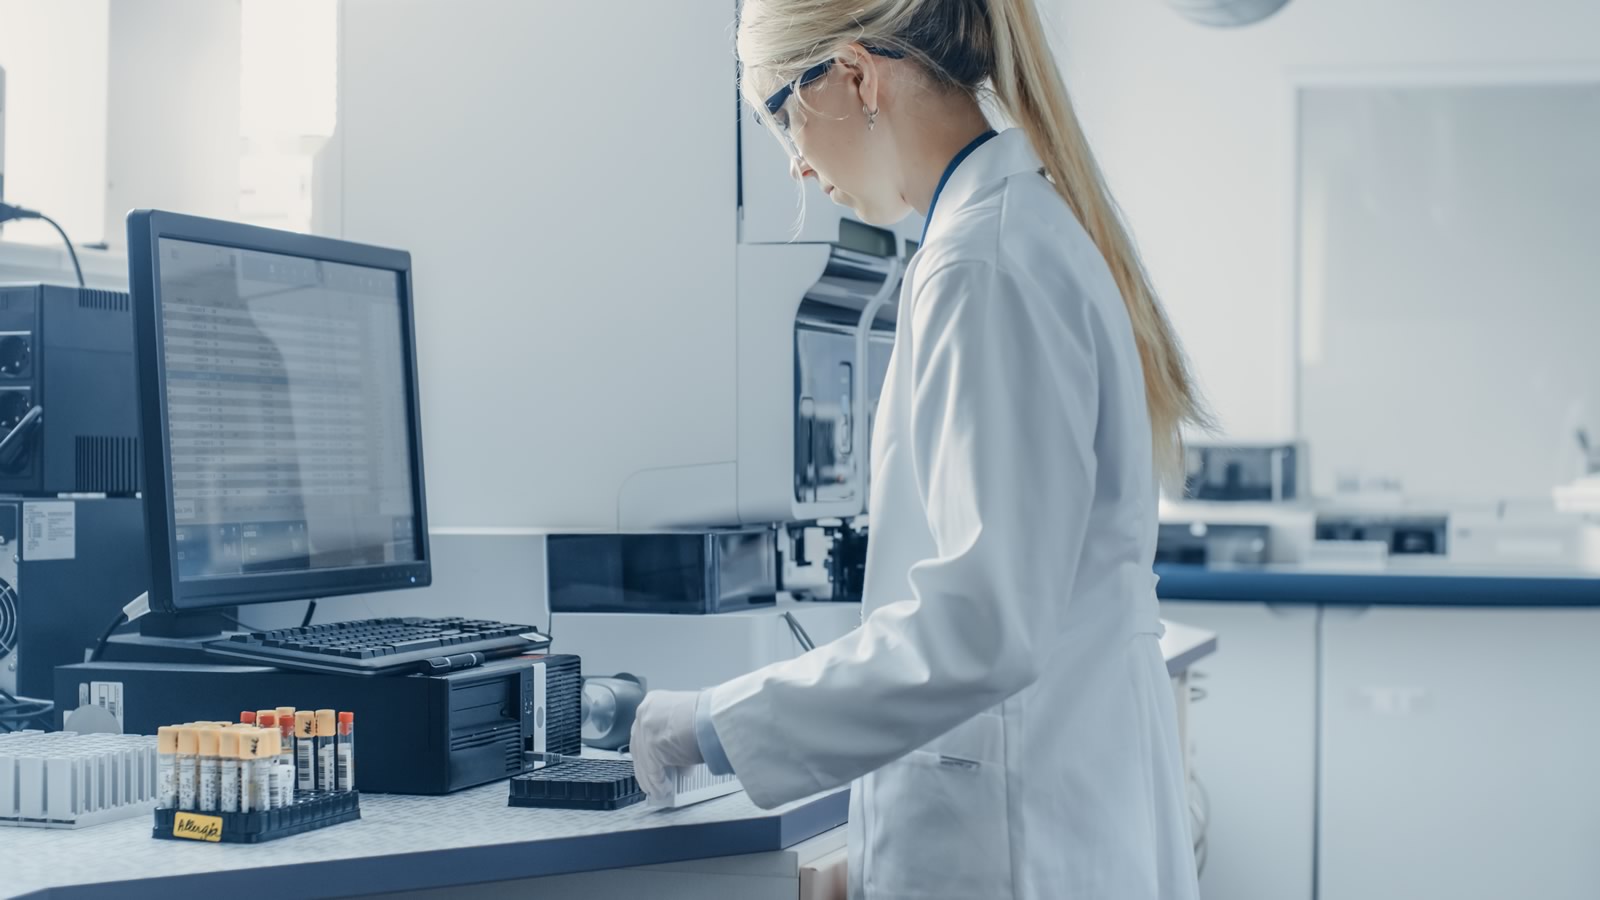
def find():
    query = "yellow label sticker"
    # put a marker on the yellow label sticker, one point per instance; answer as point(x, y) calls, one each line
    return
point(197, 828)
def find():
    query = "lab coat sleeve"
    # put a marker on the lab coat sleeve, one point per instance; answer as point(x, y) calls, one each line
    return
point(1002, 443)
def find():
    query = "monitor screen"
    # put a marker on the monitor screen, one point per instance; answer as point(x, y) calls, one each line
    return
point(287, 411)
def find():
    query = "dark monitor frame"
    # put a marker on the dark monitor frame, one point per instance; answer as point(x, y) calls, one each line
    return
point(168, 593)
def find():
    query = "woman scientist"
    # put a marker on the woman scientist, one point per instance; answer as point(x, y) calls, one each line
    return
point(1004, 709)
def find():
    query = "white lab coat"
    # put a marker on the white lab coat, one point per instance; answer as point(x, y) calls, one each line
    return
point(1004, 708)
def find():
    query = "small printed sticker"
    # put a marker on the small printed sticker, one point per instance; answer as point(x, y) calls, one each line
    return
point(197, 828)
point(108, 696)
point(50, 530)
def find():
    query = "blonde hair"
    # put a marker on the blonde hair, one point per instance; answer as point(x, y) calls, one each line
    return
point(998, 48)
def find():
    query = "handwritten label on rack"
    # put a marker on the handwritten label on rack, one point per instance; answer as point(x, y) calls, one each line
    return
point(197, 828)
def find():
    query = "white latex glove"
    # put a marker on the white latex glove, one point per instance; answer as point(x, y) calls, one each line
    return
point(663, 738)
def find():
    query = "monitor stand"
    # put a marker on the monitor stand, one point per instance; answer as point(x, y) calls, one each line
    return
point(171, 637)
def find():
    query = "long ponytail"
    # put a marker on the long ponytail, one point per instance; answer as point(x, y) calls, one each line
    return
point(1029, 89)
point(968, 45)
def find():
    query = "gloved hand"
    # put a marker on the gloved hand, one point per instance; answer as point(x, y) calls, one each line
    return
point(663, 737)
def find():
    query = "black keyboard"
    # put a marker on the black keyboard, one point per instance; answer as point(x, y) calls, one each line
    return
point(382, 646)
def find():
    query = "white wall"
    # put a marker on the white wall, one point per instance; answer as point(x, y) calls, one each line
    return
point(1194, 127)
point(173, 112)
point(54, 55)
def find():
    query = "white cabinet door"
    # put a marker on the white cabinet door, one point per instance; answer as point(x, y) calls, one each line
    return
point(1253, 747)
point(1459, 754)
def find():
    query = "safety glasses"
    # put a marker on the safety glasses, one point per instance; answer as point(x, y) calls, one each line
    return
point(777, 104)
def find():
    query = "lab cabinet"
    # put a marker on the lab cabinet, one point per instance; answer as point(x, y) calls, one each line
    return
point(1252, 740)
point(1459, 752)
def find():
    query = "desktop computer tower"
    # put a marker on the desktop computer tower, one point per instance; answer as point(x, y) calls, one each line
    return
point(416, 734)
point(67, 567)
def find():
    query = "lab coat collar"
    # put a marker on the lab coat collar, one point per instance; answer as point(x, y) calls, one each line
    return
point(1007, 153)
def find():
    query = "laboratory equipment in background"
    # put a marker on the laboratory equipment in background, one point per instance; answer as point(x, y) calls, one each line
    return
point(1413, 533)
point(1526, 539)
point(737, 351)
point(420, 734)
point(690, 572)
point(71, 525)
point(1201, 544)
point(609, 706)
point(1274, 473)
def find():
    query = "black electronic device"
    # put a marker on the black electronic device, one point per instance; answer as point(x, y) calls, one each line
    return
point(69, 401)
point(419, 734)
point(67, 566)
point(382, 646)
point(278, 395)
point(669, 572)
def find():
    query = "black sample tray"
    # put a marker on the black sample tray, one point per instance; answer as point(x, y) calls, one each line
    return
point(308, 814)
point(578, 784)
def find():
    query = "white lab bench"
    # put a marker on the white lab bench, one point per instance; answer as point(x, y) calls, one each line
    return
point(471, 846)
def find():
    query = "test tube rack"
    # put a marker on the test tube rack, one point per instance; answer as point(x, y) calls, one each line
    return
point(306, 813)
point(67, 780)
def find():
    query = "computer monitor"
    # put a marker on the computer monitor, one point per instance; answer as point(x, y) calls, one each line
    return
point(281, 435)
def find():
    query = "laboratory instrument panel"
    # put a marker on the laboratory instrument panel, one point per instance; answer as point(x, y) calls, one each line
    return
point(683, 572)
point(1247, 473)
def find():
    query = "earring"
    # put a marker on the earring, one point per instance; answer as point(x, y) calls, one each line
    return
point(872, 117)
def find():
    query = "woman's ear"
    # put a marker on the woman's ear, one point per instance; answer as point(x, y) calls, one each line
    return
point(864, 74)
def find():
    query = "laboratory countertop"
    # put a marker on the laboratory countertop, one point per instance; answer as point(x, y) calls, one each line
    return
point(412, 843)
point(1182, 645)
point(1401, 583)
point(400, 843)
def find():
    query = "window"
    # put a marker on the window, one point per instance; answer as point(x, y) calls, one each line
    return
point(213, 108)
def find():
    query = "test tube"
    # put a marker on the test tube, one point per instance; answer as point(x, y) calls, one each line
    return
point(167, 767)
point(228, 756)
point(266, 755)
point(305, 745)
point(326, 727)
point(188, 768)
point(345, 777)
point(286, 755)
point(247, 718)
point(210, 770)
point(267, 720)
point(251, 795)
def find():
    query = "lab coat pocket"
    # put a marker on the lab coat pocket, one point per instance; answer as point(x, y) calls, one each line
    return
point(939, 819)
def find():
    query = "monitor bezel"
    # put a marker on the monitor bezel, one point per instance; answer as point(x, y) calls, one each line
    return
point(169, 593)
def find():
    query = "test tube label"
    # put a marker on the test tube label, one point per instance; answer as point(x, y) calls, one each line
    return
point(167, 780)
point(346, 774)
point(325, 780)
point(306, 766)
point(210, 784)
point(230, 785)
point(188, 785)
